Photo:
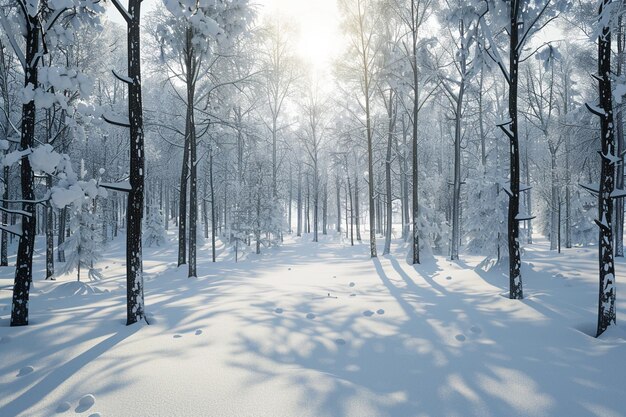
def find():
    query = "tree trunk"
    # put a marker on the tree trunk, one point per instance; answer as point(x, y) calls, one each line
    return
point(389, 214)
point(24, 263)
point(299, 204)
point(338, 189)
point(456, 192)
point(134, 263)
point(213, 217)
point(606, 296)
point(515, 274)
point(619, 182)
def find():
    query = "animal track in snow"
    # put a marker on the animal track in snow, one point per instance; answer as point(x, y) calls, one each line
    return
point(476, 330)
point(198, 332)
point(25, 371)
point(352, 284)
point(310, 316)
point(368, 313)
point(85, 403)
point(353, 295)
point(340, 341)
point(63, 407)
point(460, 337)
point(380, 311)
point(278, 310)
point(95, 415)
point(448, 277)
point(178, 336)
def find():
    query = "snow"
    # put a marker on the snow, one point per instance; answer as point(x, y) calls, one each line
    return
point(236, 341)
point(43, 158)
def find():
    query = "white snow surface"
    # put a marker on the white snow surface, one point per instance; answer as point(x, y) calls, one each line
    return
point(236, 340)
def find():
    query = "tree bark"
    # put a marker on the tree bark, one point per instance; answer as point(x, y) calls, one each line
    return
point(606, 264)
point(134, 263)
point(24, 263)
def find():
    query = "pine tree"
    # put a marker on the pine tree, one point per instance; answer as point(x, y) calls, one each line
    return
point(84, 245)
point(154, 227)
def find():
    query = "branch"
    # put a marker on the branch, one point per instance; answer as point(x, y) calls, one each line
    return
point(121, 123)
point(125, 15)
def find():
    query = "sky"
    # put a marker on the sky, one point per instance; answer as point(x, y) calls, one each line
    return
point(319, 38)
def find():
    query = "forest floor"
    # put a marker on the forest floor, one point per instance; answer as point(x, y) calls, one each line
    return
point(317, 330)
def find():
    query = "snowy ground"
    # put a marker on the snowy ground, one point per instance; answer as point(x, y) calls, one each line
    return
point(318, 330)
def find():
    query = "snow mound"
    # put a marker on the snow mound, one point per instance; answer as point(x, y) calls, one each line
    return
point(74, 288)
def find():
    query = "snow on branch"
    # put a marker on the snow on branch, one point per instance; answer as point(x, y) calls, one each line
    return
point(598, 111)
point(593, 188)
point(524, 216)
point(16, 211)
point(122, 78)
point(125, 15)
point(524, 187)
point(611, 158)
point(116, 122)
point(123, 186)
point(618, 193)
point(15, 229)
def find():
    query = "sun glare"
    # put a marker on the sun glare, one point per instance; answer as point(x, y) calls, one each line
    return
point(319, 39)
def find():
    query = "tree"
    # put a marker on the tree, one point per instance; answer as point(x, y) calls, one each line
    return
point(154, 233)
point(83, 248)
point(606, 191)
point(519, 20)
point(362, 17)
point(39, 24)
point(135, 309)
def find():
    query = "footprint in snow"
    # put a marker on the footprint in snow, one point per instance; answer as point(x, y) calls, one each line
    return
point(198, 332)
point(460, 337)
point(476, 330)
point(63, 407)
point(380, 311)
point(352, 284)
point(85, 403)
point(368, 313)
point(340, 342)
point(278, 310)
point(178, 336)
point(310, 316)
point(25, 371)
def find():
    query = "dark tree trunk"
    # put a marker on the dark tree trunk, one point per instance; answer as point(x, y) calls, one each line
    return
point(356, 213)
point(325, 208)
point(299, 203)
point(606, 264)
point(619, 181)
point(391, 114)
point(213, 217)
point(134, 215)
point(456, 185)
point(24, 263)
point(49, 234)
point(5, 204)
point(338, 189)
point(515, 274)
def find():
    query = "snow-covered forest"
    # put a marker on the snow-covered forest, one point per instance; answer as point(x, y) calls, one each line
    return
point(312, 208)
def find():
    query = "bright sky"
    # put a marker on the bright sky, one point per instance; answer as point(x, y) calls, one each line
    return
point(317, 22)
point(319, 36)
